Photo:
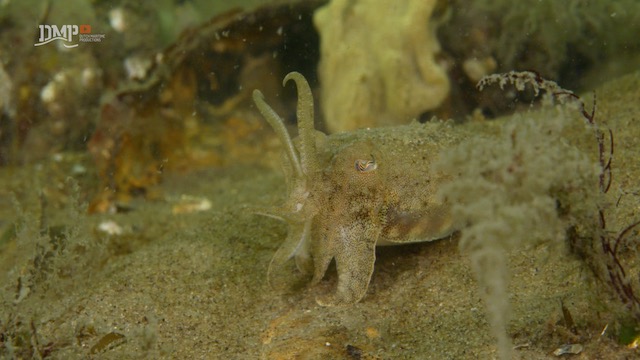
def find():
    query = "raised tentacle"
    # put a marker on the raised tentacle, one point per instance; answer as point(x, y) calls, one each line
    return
point(281, 131)
point(306, 129)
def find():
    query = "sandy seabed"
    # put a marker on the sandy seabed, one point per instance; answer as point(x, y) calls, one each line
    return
point(193, 285)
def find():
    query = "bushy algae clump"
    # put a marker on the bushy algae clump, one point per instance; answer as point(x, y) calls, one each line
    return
point(507, 193)
point(50, 262)
point(533, 184)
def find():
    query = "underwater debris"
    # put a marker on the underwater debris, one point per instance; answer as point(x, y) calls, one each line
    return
point(6, 87)
point(108, 341)
point(190, 204)
point(356, 353)
point(118, 19)
point(567, 318)
point(110, 227)
point(6, 111)
point(568, 349)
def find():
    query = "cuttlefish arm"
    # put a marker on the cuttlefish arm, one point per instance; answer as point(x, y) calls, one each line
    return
point(294, 245)
point(306, 129)
point(302, 158)
point(281, 131)
point(353, 248)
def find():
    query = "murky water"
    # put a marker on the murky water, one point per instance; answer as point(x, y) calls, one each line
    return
point(130, 154)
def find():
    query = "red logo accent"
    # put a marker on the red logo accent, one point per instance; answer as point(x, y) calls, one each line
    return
point(85, 29)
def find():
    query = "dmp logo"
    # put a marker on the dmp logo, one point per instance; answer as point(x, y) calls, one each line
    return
point(64, 33)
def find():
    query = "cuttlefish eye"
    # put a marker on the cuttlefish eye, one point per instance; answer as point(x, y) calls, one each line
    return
point(366, 165)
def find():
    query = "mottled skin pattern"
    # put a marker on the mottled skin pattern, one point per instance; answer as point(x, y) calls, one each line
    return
point(352, 191)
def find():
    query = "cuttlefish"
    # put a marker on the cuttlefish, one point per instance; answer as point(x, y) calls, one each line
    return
point(349, 192)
